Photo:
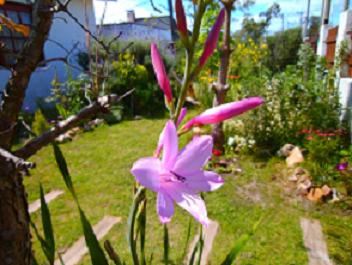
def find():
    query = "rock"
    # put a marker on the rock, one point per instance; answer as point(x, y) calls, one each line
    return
point(293, 178)
point(138, 117)
point(285, 151)
point(297, 175)
point(335, 196)
point(317, 194)
point(295, 157)
point(303, 187)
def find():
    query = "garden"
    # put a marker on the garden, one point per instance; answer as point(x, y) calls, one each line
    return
point(233, 149)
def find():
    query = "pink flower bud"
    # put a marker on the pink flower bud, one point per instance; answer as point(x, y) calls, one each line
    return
point(210, 43)
point(224, 112)
point(181, 18)
point(160, 72)
point(181, 117)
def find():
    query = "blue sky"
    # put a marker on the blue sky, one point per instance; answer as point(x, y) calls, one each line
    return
point(292, 10)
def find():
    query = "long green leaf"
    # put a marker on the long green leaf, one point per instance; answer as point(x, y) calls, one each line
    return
point(142, 223)
point(201, 245)
point(48, 228)
point(61, 162)
point(193, 256)
point(138, 197)
point(240, 244)
point(42, 241)
point(96, 253)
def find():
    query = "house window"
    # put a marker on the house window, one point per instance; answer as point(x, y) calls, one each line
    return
point(11, 40)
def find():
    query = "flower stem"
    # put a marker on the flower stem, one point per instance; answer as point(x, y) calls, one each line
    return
point(166, 245)
point(138, 197)
point(188, 73)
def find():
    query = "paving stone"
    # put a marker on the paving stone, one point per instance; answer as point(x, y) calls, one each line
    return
point(314, 242)
point(35, 206)
point(76, 252)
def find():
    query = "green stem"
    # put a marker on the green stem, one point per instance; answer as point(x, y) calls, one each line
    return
point(131, 224)
point(188, 74)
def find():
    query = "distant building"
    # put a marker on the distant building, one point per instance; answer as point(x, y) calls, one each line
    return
point(64, 34)
point(157, 29)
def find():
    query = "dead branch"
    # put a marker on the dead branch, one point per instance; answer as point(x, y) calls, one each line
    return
point(101, 105)
point(19, 163)
point(62, 7)
point(154, 7)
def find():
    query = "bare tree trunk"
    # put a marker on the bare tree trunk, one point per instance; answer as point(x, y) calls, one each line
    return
point(15, 238)
point(27, 62)
point(221, 87)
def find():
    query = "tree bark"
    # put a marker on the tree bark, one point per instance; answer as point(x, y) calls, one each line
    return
point(15, 239)
point(221, 87)
point(27, 62)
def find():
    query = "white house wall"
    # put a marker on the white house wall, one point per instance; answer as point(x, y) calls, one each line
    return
point(65, 31)
point(137, 32)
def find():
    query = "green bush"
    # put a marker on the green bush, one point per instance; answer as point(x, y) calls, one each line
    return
point(301, 97)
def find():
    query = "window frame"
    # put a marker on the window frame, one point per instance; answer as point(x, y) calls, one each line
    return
point(14, 36)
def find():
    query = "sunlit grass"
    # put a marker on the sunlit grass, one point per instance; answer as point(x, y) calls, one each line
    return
point(99, 163)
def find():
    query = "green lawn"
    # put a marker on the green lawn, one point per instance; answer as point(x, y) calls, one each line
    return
point(100, 161)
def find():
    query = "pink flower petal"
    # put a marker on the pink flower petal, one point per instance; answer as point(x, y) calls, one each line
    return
point(188, 200)
point(203, 181)
point(225, 111)
point(160, 72)
point(194, 156)
point(213, 36)
point(170, 145)
point(182, 116)
point(147, 172)
point(165, 207)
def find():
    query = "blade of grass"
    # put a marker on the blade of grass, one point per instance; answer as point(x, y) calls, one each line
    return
point(240, 244)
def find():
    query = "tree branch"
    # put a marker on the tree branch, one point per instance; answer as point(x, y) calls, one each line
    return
point(46, 138)
point(19, 163)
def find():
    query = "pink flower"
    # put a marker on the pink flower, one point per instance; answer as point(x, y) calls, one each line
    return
point(178, 177)
point(224, 112)
point(181, 18)
point(210, 43)
point(342, 166)
point(160, 72)
point(161, 137)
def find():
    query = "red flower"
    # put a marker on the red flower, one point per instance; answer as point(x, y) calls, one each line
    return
point(217, 152)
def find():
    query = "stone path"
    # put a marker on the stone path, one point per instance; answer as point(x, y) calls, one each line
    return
point(35, 206)
point(76, 252)
point(209, 235)
point(314, 242)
